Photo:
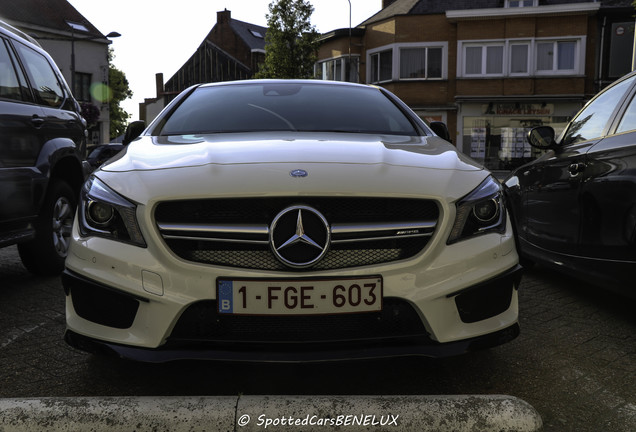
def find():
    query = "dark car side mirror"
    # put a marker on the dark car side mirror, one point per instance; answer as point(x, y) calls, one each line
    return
point(441, 130)
point(133, 130)
point(542, 137)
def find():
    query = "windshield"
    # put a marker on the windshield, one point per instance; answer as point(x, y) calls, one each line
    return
point(301, 107)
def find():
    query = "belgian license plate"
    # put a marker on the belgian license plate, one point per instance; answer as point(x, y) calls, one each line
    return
point(299, 297)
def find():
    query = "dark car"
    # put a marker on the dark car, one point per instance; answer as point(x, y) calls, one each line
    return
point(101, 153)
point(42, 145)
point(574, 208)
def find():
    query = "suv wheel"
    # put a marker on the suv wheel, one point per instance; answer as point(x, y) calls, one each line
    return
point(45, 255)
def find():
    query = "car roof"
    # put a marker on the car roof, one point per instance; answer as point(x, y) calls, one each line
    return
point(9, 30)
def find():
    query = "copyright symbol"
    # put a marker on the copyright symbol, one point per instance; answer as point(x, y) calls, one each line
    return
point(244, 420)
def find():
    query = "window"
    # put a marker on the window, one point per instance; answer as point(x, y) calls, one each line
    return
point(301, 107)
point(420, 63)
point(520, 3)
point(494, 60)
point(382, 66)
point(82, 90)
point(556, 56)
point(11, 87)
point(628, 122)
point(514, 57)
point(336, 69)
point(408, 61)
point(499, 141)
point(77, 26)
point(592, 120)
point(354, 68)
point(45, 83)
point(256, 34)
point(484, 60)
point(473, 60)
point(519, 58)
point(435, 58)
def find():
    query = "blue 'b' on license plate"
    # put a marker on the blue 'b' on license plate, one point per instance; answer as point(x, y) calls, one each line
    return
point(226, 297)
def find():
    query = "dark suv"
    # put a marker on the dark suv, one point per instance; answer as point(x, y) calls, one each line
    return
point(42, 147)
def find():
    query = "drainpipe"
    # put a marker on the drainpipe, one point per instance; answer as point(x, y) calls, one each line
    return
point(634, 50)
point(600, 66)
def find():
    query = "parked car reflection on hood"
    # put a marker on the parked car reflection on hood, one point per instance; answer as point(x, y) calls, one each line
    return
point(98, 155)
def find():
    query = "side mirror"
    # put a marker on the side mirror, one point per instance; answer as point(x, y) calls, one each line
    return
point(542, 137)
point(440, 130)
point(133, 130)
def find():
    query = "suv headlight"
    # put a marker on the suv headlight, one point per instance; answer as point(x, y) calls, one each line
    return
point(105, 213)
point(481, 211)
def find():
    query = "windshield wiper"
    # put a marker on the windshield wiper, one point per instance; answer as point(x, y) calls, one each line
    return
point(278, 116)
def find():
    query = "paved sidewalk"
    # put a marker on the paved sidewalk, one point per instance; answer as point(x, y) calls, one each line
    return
point(279, 413)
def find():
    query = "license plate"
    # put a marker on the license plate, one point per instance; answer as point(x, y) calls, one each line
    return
point(299, 297)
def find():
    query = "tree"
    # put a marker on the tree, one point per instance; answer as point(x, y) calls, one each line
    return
point(291, 42)
point(119, 91)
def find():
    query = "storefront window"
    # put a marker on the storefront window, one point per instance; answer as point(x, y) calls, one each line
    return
point(498, 138)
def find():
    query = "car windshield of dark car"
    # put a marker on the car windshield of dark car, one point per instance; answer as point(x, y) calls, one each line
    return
point(298, 107)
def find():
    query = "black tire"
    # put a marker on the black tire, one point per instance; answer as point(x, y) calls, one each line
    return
point(45, 255)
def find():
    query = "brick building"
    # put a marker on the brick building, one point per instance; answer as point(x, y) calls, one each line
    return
point(490, 69)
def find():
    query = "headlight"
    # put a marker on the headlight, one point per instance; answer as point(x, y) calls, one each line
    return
point(104, 213)
point(481, 211)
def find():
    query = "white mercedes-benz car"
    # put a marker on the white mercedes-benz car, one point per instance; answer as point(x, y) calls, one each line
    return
point(290, 221)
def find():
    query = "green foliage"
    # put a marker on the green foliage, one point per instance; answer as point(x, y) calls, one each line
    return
point(120, 91)
point(90, 113)
point(291, 41)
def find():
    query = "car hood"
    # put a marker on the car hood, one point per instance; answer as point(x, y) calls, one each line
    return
point(241, 164)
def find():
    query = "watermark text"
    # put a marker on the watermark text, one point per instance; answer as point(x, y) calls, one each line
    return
point(341, 420)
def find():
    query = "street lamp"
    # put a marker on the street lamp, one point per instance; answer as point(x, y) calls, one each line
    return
point(348, 68)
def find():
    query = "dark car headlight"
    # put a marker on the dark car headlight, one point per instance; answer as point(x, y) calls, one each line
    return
point(105, 213)
point(481, 211)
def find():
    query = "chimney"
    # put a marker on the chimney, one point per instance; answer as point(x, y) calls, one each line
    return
point(159, 84)
point(387, 3)
point(223, 17)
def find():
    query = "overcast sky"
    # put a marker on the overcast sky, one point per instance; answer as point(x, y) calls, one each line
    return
point(158, 36)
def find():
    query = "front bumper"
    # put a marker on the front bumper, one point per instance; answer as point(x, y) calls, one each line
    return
point(397, 331)
point(315, 352)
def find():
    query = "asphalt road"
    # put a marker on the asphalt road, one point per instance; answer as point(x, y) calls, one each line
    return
point(574, 362)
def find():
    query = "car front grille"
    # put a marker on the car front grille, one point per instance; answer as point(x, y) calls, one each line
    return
point(235, 232)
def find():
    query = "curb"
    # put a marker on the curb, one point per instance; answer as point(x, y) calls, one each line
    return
point(277, 413)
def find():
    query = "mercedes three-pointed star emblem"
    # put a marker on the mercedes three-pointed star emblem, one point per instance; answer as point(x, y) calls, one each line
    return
point(299, 236)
